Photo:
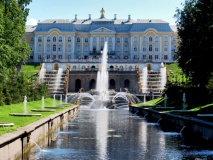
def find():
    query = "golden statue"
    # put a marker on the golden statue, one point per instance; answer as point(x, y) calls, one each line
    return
point(102, 13)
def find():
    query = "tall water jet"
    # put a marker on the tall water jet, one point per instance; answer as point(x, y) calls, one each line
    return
point(42, 73)
point(163, 77)
point(144, 79)
point(25, 105)
point(102, 76)
point(58, 79)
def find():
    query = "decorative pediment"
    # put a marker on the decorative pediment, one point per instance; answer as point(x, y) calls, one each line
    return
point(102, 30)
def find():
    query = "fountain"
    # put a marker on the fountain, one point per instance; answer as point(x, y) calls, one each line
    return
point(58, 79)
point(42, 73)
point(42, 108)
point(163, 76)
point(54, 103)
point(25, 113)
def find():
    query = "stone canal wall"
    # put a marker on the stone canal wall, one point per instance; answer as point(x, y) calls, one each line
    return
point(193, 129)
point(14, 145)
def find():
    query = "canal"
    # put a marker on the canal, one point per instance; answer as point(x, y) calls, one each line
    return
point(103, 134)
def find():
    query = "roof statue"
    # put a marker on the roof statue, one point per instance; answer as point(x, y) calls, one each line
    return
point(102, 13)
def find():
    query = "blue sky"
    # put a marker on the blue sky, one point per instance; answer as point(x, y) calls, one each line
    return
point(138, 9)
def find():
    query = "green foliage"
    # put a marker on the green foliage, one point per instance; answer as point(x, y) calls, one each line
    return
point(195, 30)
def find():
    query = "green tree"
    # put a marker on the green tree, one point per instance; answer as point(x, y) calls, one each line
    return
point(195, 30)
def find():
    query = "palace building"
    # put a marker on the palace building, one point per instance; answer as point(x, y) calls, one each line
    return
point(77, 44)
point(152, 40)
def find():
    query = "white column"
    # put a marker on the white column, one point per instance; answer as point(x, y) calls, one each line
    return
point(64, 42)
point(82, 47)
point(35, 49)
point(122, 47)
point(131, 43)
point(169, 53)
point(45, 41)
point(140, 46)
point(97, 47)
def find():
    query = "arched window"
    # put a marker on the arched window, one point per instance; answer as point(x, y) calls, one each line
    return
point(165, 39)
point(173, 48)
point(135, 48)
point(165, 47)
point(39, 39)
point(60, 39)
point(144, 48)
point(86, 48)
point(126, 40)
point(102, 47)
point(54, 47)
point(110, 39)
point(117, 48)
point(86, 40)
point(54, 39)
point(135, 39)
point(48, 39)
point(144, 38)
point(78, 39)
point(150, 47)
point(150, 39)
point(48, 48)
point(69, 48)
point(156, 39)
point(31, 39)
point(110, 48)
point(118, 40)
point(78, 48)
point(126, 48)
point(156, 48)
point(39, 48)
point(102, 39)
point(94, 39)
point(60, 48)
point(69, 39)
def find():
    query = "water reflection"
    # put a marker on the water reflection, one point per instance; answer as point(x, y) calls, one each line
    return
point(114, 135)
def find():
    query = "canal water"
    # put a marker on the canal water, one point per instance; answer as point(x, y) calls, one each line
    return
point(103, 134)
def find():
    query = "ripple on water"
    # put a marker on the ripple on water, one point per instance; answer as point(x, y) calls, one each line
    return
point(170, 133)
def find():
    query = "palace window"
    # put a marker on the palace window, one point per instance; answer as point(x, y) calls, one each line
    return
point(118, 40)
point(60, 39)
point(144, 38)
point(39, 56)
point(94, 39)
point(69, 48)
point(69, 39)
point(31, 39)
point(110, 48)
point(173, 39)
point(117, 48)
point(110, 39)
point(156, 39)
point(135, 39)
point(135, 48)
point(144, 56)
point(48, 48)
point(102, 47)
point(54, 47)
point(48, 39)
point(60, 48)
point(48, 56)
point(78, 39)
point(54, 39)
point(165, 47)
point(150, 56)
point(156, 56)
point(102, 39)
point(126, 40)
point(39, 39)
point(173, 48)
point(156, 48)
point(165, 39)
point(150, 39)
point(78, 48)
point(39, 48)
point(150, 47)
point(165, 57)
point(86, 48)
point(86, 40)
point(126, 48)
point(144, 48)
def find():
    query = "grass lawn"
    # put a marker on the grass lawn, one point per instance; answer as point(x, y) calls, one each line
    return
point(151, 102)
point(23, 121)
point(30, 68)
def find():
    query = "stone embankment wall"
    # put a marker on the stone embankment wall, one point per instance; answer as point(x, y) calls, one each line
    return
point(193, 129)
point(14, 145)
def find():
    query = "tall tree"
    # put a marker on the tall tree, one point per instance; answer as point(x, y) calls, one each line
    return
point(13, 49)
point(195, 30)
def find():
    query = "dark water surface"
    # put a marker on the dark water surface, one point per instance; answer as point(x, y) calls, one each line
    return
point(104, 134)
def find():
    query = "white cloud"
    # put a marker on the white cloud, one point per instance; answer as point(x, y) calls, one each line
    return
point(32, 21)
